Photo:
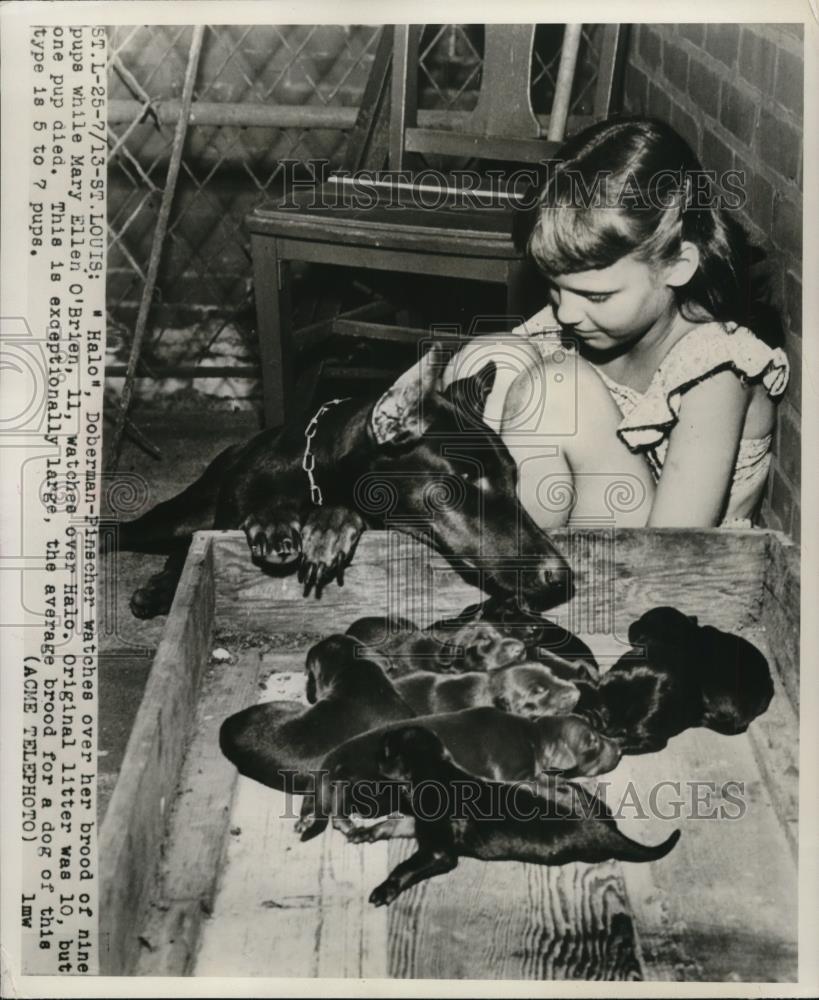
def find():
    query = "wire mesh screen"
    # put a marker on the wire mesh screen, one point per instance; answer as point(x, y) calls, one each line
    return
point(266, 98)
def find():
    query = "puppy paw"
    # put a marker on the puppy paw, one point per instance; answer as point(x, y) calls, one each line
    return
point(384, 894)
point(304, 823)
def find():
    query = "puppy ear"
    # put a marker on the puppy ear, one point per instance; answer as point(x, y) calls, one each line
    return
point(403, 414)
point(561, 757)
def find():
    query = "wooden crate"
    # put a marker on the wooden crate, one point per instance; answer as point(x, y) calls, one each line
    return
point(170, 845)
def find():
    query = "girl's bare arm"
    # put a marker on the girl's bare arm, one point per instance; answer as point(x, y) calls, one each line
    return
point(702, 450)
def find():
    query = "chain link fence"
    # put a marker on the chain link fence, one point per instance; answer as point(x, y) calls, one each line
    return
point(267, 99)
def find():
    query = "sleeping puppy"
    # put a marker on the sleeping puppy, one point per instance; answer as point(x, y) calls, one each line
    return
point(486, 742)
point(455, 814)
point(405, 648)
point(564, 653)
point(678, 675)
point(528, 689)
point(281, 744)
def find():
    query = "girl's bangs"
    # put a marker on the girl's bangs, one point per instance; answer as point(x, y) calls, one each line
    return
point(570, 238)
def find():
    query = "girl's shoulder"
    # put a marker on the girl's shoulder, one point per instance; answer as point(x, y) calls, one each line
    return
point(713, 347)
point(704, 351)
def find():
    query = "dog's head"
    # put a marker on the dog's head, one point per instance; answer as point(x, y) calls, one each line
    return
point(437, 465)
point(480, 647)
point(662, 625)
point(340, 656)
point(573, 747)
point(410, 753)
point(532, 690)
point(736, 682)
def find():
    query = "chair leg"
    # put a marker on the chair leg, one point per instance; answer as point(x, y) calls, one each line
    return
point(517, 292)
point(272, 285)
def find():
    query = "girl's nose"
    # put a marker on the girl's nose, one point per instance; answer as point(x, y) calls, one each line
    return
point(568, 309)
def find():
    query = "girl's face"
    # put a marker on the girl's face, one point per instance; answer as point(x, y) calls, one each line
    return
point(613, 306)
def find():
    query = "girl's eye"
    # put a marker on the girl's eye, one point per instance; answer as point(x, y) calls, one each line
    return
point(597, 298)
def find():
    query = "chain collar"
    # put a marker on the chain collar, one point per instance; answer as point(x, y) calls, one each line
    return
point(308, 463)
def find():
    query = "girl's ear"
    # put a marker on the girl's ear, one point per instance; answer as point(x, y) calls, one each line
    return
point(680, 271)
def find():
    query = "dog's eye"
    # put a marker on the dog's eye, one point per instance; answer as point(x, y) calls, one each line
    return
point(537, 689)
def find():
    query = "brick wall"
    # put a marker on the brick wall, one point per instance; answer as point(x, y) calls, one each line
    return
point(735, 93)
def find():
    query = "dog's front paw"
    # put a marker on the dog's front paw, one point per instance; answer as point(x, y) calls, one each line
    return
point(384, 894)
point(274, 541)
point(328, 541)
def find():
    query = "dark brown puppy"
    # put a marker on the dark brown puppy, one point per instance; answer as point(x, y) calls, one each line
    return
point(529, 689)
point(677, 676)
point(281, 744)
point(493, 822)
point(486, 742)
point(471, 646)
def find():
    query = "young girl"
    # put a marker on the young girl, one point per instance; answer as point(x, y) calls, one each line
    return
point(638, 395)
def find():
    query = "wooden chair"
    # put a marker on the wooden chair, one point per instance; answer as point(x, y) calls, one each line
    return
point(330, 226)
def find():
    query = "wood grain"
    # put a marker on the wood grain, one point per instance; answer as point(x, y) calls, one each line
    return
point(285, 908)
point(722, 906)
point(198, 828)
point(781, 610)
point(618, 576)
point(132, 834)
point(507, 920)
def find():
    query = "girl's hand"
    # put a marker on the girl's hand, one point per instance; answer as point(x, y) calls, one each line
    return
point(702, 450)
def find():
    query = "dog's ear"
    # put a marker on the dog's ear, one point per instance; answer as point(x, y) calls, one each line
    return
point(469, 395)
point(403, 414)
point(561, 757)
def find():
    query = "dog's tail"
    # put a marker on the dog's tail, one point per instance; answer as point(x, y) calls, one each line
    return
point(627, 849)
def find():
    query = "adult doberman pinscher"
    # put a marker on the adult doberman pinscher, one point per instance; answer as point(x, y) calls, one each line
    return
point(420, 456)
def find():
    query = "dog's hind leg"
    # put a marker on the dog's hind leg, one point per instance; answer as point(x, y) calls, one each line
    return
point(169, 524)
point(156, 596)
point(424, 864)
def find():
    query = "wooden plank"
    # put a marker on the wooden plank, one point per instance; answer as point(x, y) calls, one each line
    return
point(198, 828)
point(132, 833)
point(285, 908)
point(619, 575)
point(781, 610)
point(507, 920)
point(723, 904)
point(361, 150)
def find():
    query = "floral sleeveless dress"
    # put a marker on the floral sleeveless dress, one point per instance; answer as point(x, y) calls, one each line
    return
point(649, 417)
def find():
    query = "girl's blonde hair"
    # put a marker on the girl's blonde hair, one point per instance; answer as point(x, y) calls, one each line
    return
point(634, 186)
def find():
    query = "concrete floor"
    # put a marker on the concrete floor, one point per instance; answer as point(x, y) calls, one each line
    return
point(188, 441)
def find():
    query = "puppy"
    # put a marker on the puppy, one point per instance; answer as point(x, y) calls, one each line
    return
point(458, 815)
point(470, 646)
point(486, 742)
point(678, 675)
point(281, 744)
point(564, 653)
point(529, 689)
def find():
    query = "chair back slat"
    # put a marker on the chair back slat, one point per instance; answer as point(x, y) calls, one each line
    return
point(504, 105)
point(503, 124)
